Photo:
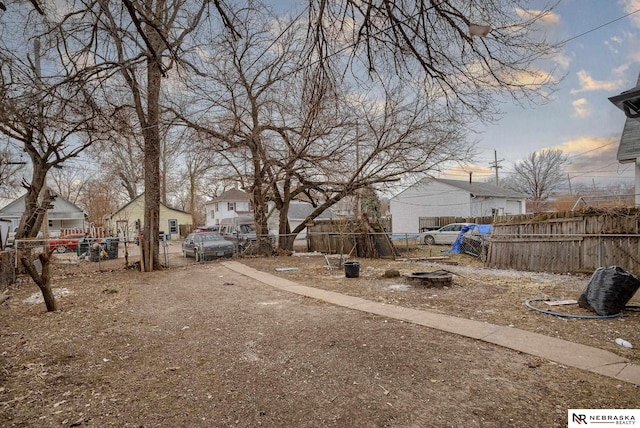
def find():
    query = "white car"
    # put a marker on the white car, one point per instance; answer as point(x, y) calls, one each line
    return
point(446, 235)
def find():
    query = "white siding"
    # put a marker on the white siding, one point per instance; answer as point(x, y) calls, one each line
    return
point(427, 199)
point(213, 217)
point(515, 207)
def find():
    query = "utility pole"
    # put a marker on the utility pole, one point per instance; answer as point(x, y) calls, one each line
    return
point(496, 165)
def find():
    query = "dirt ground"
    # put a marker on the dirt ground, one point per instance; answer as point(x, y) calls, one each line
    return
point(199, 345)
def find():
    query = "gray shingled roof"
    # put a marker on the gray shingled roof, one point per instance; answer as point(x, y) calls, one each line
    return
point(300, 211)
point(629, 148)
point(232, 195)
point(482, 189)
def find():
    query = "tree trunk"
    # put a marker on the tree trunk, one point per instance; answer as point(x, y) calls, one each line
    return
point(33, 215)
point(285, 240)
point(42, 280)
point(259, 215)
point(152, 162)
point(192, 196)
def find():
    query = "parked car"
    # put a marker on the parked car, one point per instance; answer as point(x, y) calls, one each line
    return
point(475, 241)
point(65, 243)
point(446, 235)
point(205, 229)
point(239, 230)
point(206, 245)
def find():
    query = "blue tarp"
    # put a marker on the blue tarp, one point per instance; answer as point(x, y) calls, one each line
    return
point(483, 229)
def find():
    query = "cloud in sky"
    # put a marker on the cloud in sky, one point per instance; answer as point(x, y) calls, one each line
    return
point(594, 158)
point(547, 18)
point(591, 154)
point(563, 60)
point(588, 83)
point(632, 6)
point(581, 108)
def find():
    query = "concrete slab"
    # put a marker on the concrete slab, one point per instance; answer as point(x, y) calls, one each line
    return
point(561, 351)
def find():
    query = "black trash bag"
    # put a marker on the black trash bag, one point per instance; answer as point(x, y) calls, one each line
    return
point(609, 290)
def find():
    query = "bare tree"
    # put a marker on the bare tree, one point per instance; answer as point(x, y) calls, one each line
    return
point(135, 45)
point(121, 158)
point(98, 198)
point(47, 108)
point(465, 52)
point(290, 138)
point(538, 175)
point(68, 182)
point(10, 167)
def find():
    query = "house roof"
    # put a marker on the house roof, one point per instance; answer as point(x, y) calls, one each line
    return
point(300, 211)
point(482, 189)
point(479, 189)
point(629, 148)
point(233, 195)
point(62, 209)
point(135, 199)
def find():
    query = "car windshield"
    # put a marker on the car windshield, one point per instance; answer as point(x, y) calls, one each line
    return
point(246, 228)
point(211, 237)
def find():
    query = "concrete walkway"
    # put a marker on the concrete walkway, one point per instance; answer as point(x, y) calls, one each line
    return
point(561, 351)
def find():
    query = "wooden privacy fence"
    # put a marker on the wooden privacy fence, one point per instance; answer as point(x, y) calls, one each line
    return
point(567, 242)
point(358, 238)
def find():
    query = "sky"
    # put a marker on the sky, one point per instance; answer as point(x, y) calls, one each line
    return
point(600, 59)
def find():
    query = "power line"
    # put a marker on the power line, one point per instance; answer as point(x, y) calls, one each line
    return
point(598, 27)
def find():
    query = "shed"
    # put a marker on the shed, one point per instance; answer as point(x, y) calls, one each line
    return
point(438, 197)
point(124, 221)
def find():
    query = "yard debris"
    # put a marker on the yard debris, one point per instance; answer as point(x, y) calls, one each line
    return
point(561, 302)
point(609, 290)
point(623, 343)
point(36, 298)
point(285, 269)
point(391, 273)
point(386, 391)
point(227, 283)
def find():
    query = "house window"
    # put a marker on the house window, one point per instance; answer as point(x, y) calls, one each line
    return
point(173, 226)
point(250, 206)
point(215, 207)
point(231, 206)
point(50, 223)
point(213, 215)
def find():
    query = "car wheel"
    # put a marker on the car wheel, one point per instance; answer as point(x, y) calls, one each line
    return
point(428, 239)
point(61, 249)
point(196, 255)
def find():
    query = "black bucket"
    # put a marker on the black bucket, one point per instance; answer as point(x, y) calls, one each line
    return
point(352, 269)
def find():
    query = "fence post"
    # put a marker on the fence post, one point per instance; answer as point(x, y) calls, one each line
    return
point(406, 244)
point(600, 251)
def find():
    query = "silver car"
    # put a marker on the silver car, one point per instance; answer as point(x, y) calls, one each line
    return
point(202, 246)
point(446, 235)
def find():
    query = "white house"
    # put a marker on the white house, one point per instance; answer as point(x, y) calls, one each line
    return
point(232, 203)
point(436, 197)
point(298, 212)
point(63, 215)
